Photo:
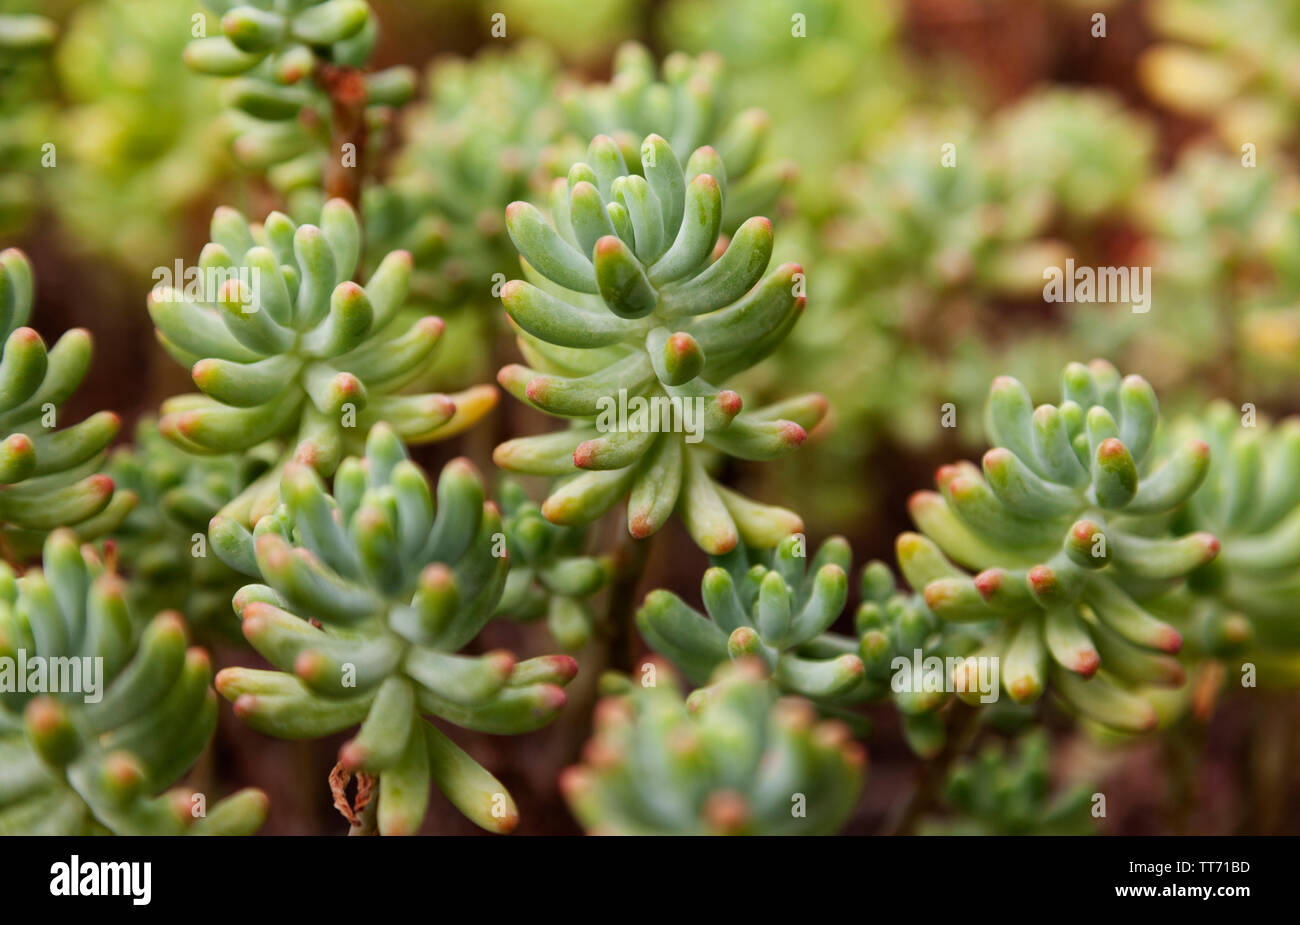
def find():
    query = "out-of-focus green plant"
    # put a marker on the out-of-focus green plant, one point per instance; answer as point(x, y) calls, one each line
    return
point(48, 477)
point(133, 709)
point(1078, 148)
point(162, 545)
point(550, 575)
point(1224, 245)
point(1063, 528)
point(25, 40)
point(371, 593)
point(284, 344)
point(582, 31)
point(827, 70)
point(1011, 794)
point(733, 759)
point(137, 143)
point(631, 319)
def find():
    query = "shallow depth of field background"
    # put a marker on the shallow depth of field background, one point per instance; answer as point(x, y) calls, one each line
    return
point(924, 283)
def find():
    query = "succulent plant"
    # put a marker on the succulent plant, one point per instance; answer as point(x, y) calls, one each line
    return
point(48, 478)
point(1011, 794)
point(288, 346)
point(162, 545)
point(370, 595)
point(549, 574)
point(687, 107)
point(294, 68)
point(1243, 602)
point(776, 606)
point(1062, 527)
point(130, 711)
point(630, 329)
point(731, 759)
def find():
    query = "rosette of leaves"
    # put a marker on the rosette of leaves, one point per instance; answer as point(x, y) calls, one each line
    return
point(687, 107)
point(370, 595)
point(469, 151)
point(294, 68)
point(48, 477)
point(550, 576)
point(734, 758)
point(288, 346)
point(1062, 528)
point(1245, 601)
point(1001, 793)
point(94, 756)
point(137, 148)
point(25, 39)
point(163, 543)
point(778, 607)
point(629, 326)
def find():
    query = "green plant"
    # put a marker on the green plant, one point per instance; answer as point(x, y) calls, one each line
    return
point(25, 39)
point(50, 477)
point(1243, 602)
point(289, 346)
point(370, 595)
point(687, 107)
point(1063, 529)
point(626, 317)
point(549, 574)
point(131, 713)
point(301, 106)
point(775, 606)
point(733, 759)
point(163, 544)
point(999, 793)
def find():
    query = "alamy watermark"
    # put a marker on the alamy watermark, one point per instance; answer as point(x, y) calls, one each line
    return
point(656, 414)
point(1123, 285)
point(972, 674)
point(38, 674)
point(207, 285)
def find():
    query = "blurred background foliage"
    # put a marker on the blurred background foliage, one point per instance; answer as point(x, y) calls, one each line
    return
point(1168, 143)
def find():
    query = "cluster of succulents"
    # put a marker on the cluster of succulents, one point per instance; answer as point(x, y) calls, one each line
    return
point(733, 758)
point(1095, 558)
point(93, 749)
